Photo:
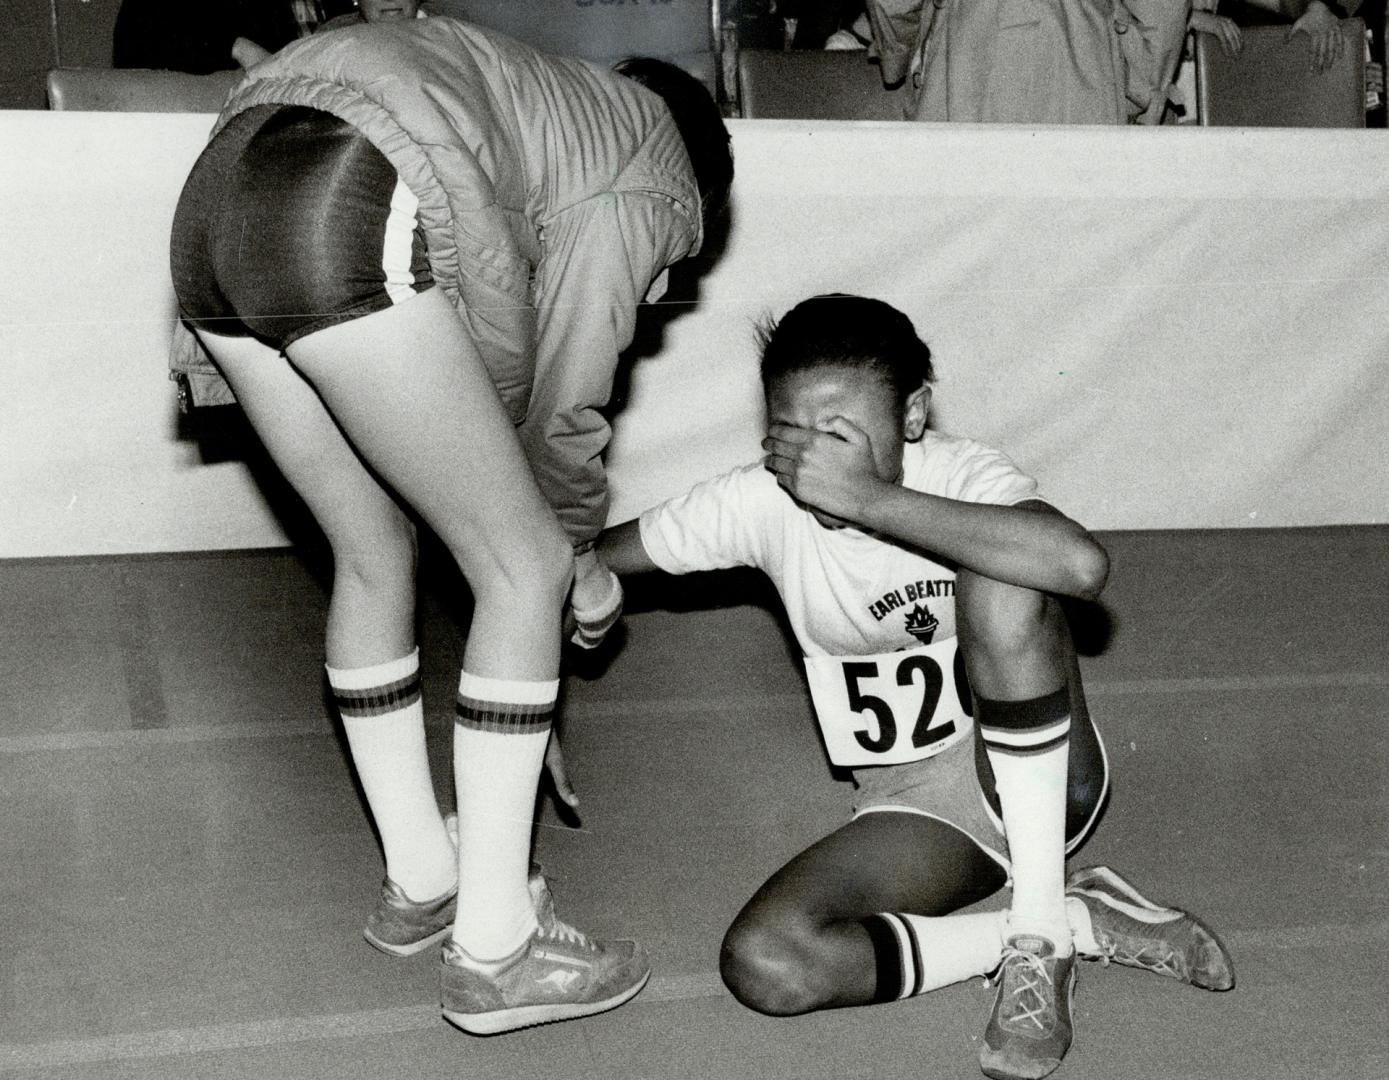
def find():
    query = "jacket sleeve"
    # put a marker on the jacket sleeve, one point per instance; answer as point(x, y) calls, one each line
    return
point(1151, 38)
point(600, 257)
point(897, 27)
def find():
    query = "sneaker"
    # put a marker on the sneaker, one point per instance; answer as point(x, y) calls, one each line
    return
point(1030, 1028)
point(557, 974)
point(1132, 930)
point(402, 927)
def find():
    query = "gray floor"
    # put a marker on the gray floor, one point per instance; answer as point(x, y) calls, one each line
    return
point(186, 864)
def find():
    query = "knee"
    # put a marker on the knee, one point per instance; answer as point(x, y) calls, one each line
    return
point(770, 969)
point(1006, 621)
point(535, 567)
point(378, 557)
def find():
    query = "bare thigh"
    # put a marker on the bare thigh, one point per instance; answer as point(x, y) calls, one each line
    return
point(799, 944)
point(883, 861)
point(412, 393)
point(365, 526)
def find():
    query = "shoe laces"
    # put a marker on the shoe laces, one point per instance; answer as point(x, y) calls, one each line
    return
point(558, 930)
point(1030, 988)
point(1157, 956)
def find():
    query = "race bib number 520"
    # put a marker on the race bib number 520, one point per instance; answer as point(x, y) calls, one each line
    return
point(892, 708)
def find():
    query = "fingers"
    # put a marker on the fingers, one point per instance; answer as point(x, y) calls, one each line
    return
point(846, 430)
point(785, 445)
point(554, 762)
point(1233, 42)
point(1335, 45)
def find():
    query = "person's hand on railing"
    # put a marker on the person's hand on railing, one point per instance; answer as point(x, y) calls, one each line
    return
point(1323, 26)
point(1224, 30)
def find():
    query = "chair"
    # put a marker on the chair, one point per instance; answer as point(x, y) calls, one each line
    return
point(683, 32)
point(807, 84)
point(1272, 84)
point(137, 90)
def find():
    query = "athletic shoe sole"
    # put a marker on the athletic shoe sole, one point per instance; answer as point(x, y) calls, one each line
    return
point(522, 1016)
point(406, 950)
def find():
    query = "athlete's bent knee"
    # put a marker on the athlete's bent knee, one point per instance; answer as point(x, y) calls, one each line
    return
point(1008, 621)
point(769, 969)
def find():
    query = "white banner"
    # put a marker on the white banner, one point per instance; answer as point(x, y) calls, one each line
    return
point(1173, 328)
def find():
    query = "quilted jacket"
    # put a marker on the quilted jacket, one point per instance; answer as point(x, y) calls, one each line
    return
point(552, 193)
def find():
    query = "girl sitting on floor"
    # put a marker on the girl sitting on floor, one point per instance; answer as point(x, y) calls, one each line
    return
point(920, 574)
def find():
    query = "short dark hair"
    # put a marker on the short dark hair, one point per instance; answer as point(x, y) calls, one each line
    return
point(700, 124)
point(841, 330)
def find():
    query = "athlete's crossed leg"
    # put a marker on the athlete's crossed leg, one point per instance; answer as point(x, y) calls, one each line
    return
point(870, 912)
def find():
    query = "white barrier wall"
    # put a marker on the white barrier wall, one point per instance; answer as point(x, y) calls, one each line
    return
point(1170, 328)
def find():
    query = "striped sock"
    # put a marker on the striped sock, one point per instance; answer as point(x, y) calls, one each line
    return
point(499, 742)
point(1028, 745)
point(383, 717)
point(916, 954)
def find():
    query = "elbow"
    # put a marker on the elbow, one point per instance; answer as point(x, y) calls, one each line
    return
point(1089, 569)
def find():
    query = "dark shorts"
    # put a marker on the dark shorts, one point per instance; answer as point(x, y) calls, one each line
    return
point(290, 222)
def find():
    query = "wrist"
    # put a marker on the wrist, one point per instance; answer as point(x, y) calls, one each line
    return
point(876, 499)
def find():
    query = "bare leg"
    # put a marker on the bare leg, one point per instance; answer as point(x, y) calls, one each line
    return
point(1017, 651)
point(1016, 647)
point(371, 614)
point(800, 944)
point(411, 391)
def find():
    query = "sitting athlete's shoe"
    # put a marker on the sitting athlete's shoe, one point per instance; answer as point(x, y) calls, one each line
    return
point(1132, 930)
point(1030, 1028)
point(557, 974)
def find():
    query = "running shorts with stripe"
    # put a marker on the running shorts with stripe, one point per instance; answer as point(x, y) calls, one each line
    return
point(950, 788)
point(292, 221)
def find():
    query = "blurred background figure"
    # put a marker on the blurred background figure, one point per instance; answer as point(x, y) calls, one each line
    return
point(209, 35)
point(1055, 63)
point(1206, 19)
point(1320, 21)
point(825, 24)
point(366, 11)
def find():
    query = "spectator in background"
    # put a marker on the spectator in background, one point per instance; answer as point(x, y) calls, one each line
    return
point(1206, 19)
point(819, 21)
point(366, 11)
point(201, 36)
point(987, 60)
point(1320, 20)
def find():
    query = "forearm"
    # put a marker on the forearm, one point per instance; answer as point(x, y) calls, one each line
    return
point(622, 551)
point(1031, 545)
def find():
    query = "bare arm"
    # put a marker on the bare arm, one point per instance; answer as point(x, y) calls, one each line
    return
point(1031, 544)
point(247, 53)
point(620, 547)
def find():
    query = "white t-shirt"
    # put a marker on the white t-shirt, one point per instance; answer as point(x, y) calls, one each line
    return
point(846, 592)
